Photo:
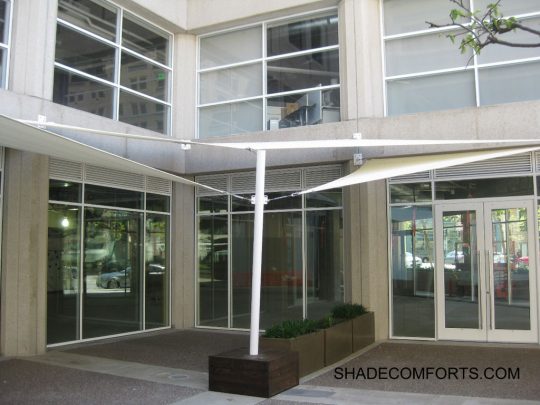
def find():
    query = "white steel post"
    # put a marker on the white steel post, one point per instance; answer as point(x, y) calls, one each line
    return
point(257, 254)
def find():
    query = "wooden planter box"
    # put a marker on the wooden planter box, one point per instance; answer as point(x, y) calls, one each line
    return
point(310, 350)
point(338, 342)
point(363, 331)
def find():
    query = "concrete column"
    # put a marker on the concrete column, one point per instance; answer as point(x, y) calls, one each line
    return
point(23, 285)
point(360, 59)
point(184, 95)
point(183, 257)
point(32, 48)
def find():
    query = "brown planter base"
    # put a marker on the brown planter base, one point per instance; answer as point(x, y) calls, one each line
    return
point(264, 375)
point(338, 342)
point(363, 331)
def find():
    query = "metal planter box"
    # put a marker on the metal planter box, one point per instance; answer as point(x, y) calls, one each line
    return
point(363, 331)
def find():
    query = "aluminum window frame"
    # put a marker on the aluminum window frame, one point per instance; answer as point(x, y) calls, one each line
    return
point(473, 64)
point(120, 49)
point(263, 60)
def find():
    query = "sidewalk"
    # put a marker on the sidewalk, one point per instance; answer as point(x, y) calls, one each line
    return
point(171, 368)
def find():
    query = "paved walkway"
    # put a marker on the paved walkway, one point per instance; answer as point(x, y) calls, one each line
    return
point(103, 375)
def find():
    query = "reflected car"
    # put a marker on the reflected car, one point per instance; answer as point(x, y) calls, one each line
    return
point(409, 260)
point(115, 279)
point(454, 257)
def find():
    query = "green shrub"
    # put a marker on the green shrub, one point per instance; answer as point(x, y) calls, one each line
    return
point(291, 329)
point(348, 311)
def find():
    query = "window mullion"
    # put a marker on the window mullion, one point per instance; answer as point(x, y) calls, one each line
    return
point(117, 68)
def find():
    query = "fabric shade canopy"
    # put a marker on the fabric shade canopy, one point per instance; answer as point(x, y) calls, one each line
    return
point(378, 169)
point(16, 135)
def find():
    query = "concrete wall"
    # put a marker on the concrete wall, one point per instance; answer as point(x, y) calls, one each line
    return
point(24, 255)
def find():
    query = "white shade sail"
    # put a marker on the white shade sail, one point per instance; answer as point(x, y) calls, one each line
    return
point(378, 169)
point(16, 135)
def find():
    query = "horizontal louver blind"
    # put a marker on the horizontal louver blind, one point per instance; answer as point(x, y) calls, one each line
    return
point(65, 170)
point(520, 164)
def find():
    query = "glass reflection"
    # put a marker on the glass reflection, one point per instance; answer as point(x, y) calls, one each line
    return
point(143, 113)
point(3, 21)
point(84, 53)
point(63, 259)
point(413, 266)
point(213, 273)
point(112, 301)
point(156, 267)
point(90, 15)
point(281, 283)
point(510, 260)
point(144, 40)
point(144, 77)
point(324, 235)
point(83, 94)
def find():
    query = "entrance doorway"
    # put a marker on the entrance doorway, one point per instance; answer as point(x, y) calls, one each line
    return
point(486, 271)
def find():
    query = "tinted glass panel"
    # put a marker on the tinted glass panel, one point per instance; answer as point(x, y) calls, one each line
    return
point(283, 200)
point(112, 299)
point(144, 77)
point(230, 119)
point(293, 110)
point(83, 94)
point(113, 197)
point(60, 190)
point(213, 270)
point(157, 270)
point(300, 72)
point(329, 198)
point(482, 188)
point(231, 47)
point(281, 283)
point(63, 267)
point(3, 21)
point(93, 16)
point(324, 262)
point(228, 84)
point(158, 202)
point(301, 35)
point(84, 53)
point(143, 40)
point(412, 260)
point(410, 193)
point(143, 113)
point(213, 204)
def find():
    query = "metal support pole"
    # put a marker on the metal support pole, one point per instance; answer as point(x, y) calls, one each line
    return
point(257, 254)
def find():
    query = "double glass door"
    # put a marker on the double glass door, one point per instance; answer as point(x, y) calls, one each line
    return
point(486, 271)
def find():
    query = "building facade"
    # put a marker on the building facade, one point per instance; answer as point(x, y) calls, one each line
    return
point(89, 251)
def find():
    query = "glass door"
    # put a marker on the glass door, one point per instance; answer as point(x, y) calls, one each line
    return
point(486, 271)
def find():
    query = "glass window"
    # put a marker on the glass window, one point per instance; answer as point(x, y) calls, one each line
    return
point(302, 35)
point(92, 15)
point(423, 53)
point(410, 193)
point(431, 93)
point(228, 119)
point(113, 197)
point(144, 113)
point(276, 201)
point(143, 65)
point(505, 84)
point(3, 67)
point(212, 204)
point(512, 7)
point(328, 198)
point(112, 299)
point(144, 77)
point(76, 91)
point(231, 47)
point(145, 40)
point(324, 261)
point(483, 188)
point(300, 72)
point(294, 110)
point(60, 190)
point(158, 202)
point(281, 278)
point(63, 264)
point(84, 53)
point(157, 271)
point(213, 270)
point(228, 84)
point(3, 21)
point(411, 15)
point(413, 262)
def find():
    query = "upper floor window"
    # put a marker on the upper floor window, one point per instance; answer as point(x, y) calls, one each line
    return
point(271, 75)
point(5, 12)
point(111, 63)
point(426, 72)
